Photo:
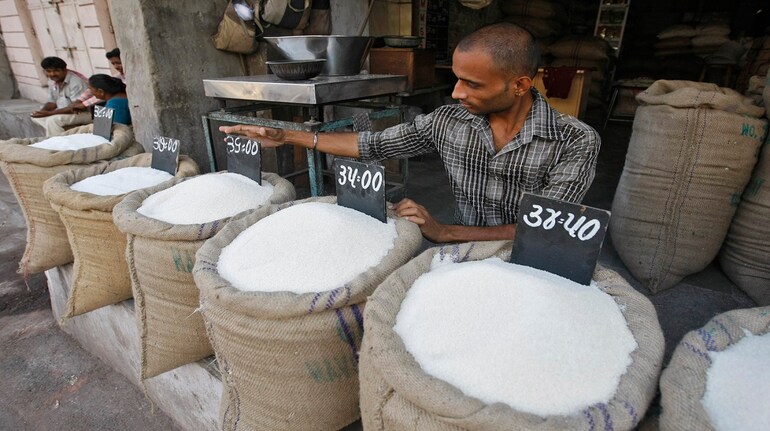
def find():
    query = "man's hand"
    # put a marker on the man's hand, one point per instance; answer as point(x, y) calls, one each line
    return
point(418, 214)
point(40, 114)
point(268, 137)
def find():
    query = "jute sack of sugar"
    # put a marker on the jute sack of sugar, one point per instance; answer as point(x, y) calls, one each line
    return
point(27, 168)
point(683, 382)
point(396, 394)
point(100, 273)
point(289, 361)
point(745, 254)
point(160, 258)
point(690, 156)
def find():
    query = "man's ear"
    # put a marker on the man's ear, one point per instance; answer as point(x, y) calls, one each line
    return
point(522, 84)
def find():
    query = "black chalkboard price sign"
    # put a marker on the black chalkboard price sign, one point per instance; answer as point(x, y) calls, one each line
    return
point(165, 154)
point(243, 157)
point(361, 186)
point(103, 121)
point(559, 237)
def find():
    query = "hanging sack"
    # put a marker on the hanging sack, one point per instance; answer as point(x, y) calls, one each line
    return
point(320, 18)
point(294, 14)
point(235, 34)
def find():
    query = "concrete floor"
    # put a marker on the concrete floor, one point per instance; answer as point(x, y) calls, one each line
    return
point(49, 382)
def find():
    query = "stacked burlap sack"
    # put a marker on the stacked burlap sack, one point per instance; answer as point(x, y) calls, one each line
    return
point(27, 168)
point(690, 156)
point(745, 254)
point(704, 38)
point(683, 382)
point(289, 361)
point(589, 52)
point(396, 394)
point(545, 19)
point(160, 258)
point(100, 272)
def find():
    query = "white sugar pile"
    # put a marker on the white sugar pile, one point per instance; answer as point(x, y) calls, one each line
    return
point(737, 382)
point(312, 247)
point(77, 141)
point(508, 333)
point(121, 181)
point(206, 198)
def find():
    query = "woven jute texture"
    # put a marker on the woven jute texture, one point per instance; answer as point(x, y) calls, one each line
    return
point(160, 258)
point(396, 394)
point(683, 382)
point(27, 168)
point(289, 361)
point(100, 273)
point(745, 254)
point(691, 153)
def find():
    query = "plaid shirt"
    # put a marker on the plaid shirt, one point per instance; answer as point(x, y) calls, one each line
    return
point(553, 155)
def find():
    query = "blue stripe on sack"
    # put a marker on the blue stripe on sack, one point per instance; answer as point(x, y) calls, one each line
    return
point(590, 419)
point(207, 266)
point(348, 335)
point(455, 253)
point(606, 415)
point(697, 351)
point(214, 227)
point(468, 253)
point(441, 254)
point(359, 317)
point(723, 328)
point(330, 301)
point(632, 413)
point(200, 231)
point(313, 302)
point(708, 340)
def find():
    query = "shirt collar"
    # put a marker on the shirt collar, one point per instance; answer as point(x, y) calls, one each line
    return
point(541, 121)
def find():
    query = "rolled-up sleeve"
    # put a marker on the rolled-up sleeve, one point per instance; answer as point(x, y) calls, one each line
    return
point(575, 168)
point(401, 141)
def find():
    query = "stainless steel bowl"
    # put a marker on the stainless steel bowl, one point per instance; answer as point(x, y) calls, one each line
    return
point(296, 70)
point(344, 55)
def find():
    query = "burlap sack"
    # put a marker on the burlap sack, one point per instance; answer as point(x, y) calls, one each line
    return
point(690, 156)
point(160, 259)
point(683, 382)
point(100, 273)
point(289, 361)
point(27, 168)
point(396, 394)
point(745, 254)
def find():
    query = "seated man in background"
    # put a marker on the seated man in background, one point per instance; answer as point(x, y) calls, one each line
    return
point(64, 87)
point(114, 58)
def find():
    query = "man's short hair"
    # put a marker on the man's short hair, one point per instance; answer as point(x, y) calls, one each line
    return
point(114, 53)
point(512, 47)
point(53, 63)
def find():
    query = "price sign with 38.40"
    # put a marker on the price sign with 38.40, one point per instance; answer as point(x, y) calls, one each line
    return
point(361, 186)
point(559, 237)
point(165, 154)
point(244, 157)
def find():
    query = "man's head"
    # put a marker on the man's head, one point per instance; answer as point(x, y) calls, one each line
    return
point(494, 67)
point(114, 58)
point(55, 68)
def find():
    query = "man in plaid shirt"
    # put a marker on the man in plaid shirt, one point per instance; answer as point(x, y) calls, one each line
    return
point(501, 140)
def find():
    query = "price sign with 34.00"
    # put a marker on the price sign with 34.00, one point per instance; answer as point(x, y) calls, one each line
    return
point(361, 186)
point(244, 157)
point(559, 237)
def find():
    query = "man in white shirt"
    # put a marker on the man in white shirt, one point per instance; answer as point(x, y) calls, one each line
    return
point(64, 87)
